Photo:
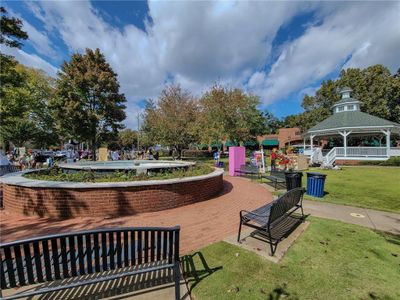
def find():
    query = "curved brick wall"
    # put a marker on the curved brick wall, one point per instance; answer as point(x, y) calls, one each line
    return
point(107, 201)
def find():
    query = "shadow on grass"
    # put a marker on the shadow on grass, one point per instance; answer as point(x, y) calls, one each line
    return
point(195, 274)
point(390, 237)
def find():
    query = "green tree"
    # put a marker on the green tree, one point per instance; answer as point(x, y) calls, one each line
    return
point(229, 114)
point(25, 114)
point(172, 121)
point(11, 34)
point(89, 105)
point(127, 138)
point(272, 123)
point(375, 87)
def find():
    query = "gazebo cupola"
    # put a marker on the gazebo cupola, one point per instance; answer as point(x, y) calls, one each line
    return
point(347, 103)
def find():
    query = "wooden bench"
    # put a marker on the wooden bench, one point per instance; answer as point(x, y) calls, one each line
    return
point(248, 170)
point(130, 251)
point(275, 220)
point(277, 177)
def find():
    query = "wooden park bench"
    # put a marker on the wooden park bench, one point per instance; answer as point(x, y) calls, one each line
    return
point(275, 220)
point(248, 170)
point(110, 253)
point(276, 177)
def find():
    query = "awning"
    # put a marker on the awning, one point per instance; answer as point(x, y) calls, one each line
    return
point(270, 143)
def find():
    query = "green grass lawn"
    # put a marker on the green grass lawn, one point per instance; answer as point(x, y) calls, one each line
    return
point(331, 260)
point(369, 187)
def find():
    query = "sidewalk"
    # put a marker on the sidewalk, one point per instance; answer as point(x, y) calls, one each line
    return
point(374, 219)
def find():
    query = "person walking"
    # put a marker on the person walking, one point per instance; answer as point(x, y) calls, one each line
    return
point(274, 156)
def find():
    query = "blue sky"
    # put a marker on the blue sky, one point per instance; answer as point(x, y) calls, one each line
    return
point(276, 50)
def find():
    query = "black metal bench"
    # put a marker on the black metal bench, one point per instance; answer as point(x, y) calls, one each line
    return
point(277, 177)
point(130, 251)
point(248, 170)
point(275, 220)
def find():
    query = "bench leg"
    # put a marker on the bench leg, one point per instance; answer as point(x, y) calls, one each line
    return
point(177, 276)
point(240, 229)
point(273, 248)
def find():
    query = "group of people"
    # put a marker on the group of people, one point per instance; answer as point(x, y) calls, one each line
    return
point(128, 155)
point(27, 160)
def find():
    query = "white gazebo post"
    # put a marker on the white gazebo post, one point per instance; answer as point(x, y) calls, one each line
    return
point(311, 141)
point(344, 134)
point(387, 133)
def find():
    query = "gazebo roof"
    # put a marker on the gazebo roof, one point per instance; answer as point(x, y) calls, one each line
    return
point(352, 120)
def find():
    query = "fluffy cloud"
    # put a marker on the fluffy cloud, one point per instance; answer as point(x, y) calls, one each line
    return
point(198, 43)
point(31, 60)
point(346, 38)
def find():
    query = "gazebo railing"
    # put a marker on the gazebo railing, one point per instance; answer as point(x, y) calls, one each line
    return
point(362, 151)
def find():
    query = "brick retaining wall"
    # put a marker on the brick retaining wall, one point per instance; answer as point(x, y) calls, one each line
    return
point(108, 201)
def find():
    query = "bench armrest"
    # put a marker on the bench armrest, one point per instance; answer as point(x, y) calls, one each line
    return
point(251, 213)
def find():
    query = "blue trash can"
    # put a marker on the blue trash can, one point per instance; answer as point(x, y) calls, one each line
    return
point(315, 184)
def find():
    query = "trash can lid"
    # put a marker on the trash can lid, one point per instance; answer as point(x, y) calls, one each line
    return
point(314, 174)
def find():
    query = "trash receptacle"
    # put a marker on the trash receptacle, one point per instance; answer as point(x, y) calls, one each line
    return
point(315, 184)
point(293, 179)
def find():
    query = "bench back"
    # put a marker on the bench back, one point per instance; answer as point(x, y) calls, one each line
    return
point(278, 174)
point(285, 203)
point(54, 257)
point(249, 168)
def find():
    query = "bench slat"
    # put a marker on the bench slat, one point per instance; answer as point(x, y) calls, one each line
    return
point(72, 255)
point(126, 251)
point(55, 256)
point(29, 263)
point(38, 263)
point(81, 255)
point(10, 267)
point(3, 283)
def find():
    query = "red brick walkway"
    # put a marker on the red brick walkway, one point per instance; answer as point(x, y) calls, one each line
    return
point(201, 223)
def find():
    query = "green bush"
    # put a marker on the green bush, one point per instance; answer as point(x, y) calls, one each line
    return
point(393, 161)
point(57, 174)
point(197, 153)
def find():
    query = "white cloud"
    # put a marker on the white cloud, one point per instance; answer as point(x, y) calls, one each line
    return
point(30, 60)
point(199, 43)
point(345, 32)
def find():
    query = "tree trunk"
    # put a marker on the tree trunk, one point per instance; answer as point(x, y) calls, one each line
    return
point(94, 147)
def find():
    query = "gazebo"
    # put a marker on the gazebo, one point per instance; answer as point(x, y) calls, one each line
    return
point(346, 122)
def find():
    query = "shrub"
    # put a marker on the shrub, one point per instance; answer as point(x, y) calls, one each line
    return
point(393, 161)
point(197, 153)
point(57, 174)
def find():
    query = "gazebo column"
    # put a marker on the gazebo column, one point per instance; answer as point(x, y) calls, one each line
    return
point(311, 141)
point(344, 134)
point(387, 134)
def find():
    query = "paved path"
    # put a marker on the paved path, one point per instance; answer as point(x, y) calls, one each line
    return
point(201, 223)
point(370, 218)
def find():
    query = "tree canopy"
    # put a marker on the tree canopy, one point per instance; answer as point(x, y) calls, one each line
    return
point(88, 105)
point(229, 114)
point(172, 121)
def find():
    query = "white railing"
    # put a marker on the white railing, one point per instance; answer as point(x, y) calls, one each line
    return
point(362, 152)
point(330, 157)
point(394, 152)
